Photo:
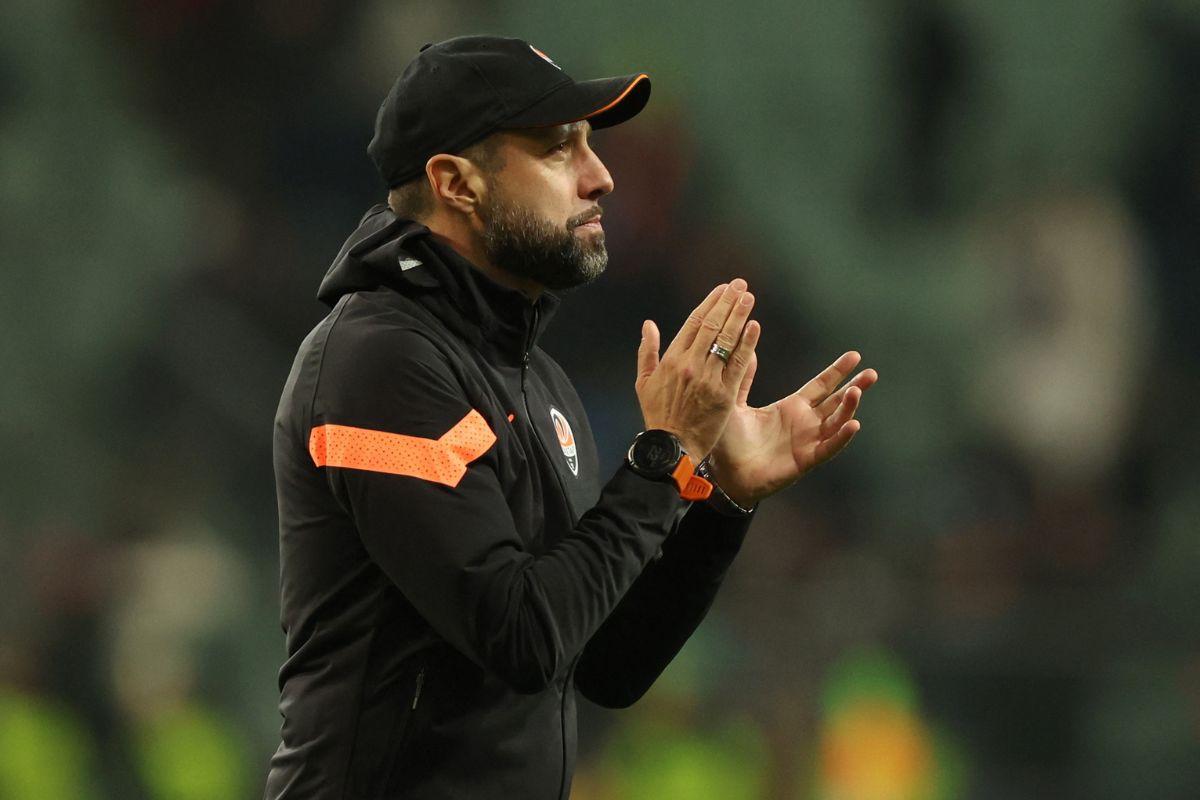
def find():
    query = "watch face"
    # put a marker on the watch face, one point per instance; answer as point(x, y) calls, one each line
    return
point(656, 453)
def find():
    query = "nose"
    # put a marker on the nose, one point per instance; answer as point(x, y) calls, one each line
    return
point(594, 180)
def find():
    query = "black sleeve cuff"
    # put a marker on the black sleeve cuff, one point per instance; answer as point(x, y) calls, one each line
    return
point(707, 539)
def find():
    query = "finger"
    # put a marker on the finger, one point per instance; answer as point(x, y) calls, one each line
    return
point(731, 331)
point(843, 413)
point(687, 333)
point(742, 356)
point(743, 394)
point(819, 387)
point(837, 443)
point(647, 357)
point(863, 380)
point(714, 321)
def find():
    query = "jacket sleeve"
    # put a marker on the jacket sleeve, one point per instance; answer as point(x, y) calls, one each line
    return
point(661, 610)
point(450, 543)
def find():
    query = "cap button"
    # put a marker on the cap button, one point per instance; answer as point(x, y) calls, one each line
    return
point(425, 47)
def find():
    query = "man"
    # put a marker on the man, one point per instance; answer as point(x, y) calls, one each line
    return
point(454, 563)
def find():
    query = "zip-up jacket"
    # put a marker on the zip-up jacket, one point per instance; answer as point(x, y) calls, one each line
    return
point(454, 564)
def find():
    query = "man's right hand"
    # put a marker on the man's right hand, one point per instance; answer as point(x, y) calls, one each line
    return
point(689, 391)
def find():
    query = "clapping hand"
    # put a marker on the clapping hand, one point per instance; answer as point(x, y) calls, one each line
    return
point(763, 450)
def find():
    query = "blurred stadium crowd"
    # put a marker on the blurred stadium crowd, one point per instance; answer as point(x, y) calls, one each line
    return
point(992, 594)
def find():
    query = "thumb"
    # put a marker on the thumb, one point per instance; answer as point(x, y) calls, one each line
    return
point(647, 358)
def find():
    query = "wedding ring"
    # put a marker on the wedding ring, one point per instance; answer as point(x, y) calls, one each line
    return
point(719, 352)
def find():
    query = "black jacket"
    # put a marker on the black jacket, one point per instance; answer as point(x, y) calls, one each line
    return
point(453, 566)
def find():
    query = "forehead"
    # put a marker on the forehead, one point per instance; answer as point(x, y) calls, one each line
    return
point(554, 132)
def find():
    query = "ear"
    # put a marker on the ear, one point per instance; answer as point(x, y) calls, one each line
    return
point(455, 182)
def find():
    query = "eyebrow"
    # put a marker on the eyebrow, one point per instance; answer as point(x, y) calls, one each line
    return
point(566, 129)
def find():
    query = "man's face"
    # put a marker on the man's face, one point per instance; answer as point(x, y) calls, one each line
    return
point(541, 218)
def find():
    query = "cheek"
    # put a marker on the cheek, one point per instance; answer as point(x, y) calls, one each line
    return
point(551, 195)
point(546, 187)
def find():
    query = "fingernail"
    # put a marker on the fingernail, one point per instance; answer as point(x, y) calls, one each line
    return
point(747, 299)
point(737, 284)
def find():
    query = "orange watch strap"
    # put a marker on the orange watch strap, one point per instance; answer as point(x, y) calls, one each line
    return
point(691, 486)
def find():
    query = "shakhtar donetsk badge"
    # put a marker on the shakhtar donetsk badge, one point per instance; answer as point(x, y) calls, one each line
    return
point(566, 439)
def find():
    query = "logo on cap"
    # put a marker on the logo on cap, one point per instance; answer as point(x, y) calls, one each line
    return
point(566, 439)
point(545, 57)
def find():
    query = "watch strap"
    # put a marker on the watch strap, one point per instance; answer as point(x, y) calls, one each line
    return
point(691, 486)
point(720, 501)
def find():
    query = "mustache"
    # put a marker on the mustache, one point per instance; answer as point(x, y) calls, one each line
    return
point(586, 216)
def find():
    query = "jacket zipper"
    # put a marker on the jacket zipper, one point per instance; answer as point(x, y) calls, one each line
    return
point(525, 369)
point(417, 691)
point(562, 706)
point(529, 343)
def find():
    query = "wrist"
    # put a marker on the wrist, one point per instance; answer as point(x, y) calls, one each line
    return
point(690, 447)
point(719, 500)
point(724, 472)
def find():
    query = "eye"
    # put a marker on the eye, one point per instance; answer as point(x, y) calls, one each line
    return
point(561, 147)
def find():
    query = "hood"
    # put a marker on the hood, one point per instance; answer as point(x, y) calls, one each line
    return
point(386, 250)
point(370, 257)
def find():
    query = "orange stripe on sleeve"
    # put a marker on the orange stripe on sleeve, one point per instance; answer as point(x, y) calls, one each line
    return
point(443, 460)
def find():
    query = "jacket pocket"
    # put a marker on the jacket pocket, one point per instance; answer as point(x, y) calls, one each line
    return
point(383, 735)
point(405, 742)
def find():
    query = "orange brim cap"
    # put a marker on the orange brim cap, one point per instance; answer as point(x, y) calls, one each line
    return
point(604, 102)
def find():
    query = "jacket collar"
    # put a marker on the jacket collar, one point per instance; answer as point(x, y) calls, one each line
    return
point(500, 322)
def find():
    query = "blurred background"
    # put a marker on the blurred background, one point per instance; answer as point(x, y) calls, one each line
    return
point(991, 594)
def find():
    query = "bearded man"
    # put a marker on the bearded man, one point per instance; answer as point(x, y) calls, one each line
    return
point(454, 563)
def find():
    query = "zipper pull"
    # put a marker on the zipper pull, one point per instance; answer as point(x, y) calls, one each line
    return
point(417, 693)
point(530, 337)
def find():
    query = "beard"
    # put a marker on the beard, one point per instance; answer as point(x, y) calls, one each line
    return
point(522, 243)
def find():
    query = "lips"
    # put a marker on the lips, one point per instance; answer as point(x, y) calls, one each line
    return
point(591, 224)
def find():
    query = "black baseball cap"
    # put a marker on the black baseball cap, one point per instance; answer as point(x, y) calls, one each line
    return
point(456, 92)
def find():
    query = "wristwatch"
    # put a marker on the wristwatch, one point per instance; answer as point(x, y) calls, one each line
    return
point(659, 455)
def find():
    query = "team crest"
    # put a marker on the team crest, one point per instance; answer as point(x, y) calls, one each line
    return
point(566, 439)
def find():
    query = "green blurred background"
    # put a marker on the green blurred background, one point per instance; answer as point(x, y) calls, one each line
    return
point(992, 593)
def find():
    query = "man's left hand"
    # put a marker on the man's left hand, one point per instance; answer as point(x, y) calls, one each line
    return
point(763, 450)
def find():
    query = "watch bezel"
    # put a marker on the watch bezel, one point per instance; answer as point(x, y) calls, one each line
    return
point(655, 453)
